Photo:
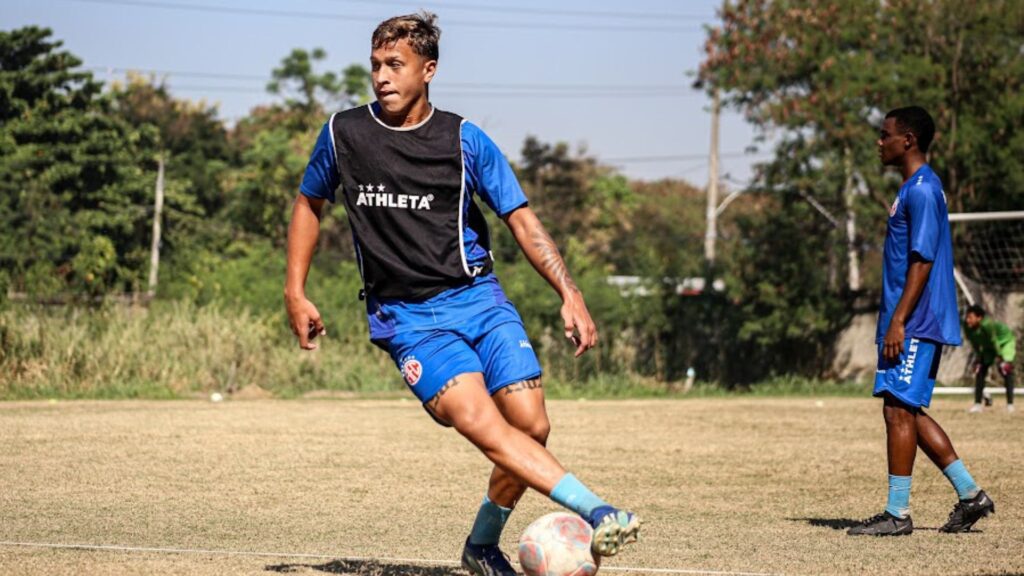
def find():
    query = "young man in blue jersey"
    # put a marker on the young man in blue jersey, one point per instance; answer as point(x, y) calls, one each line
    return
point(407, 173)
point(918, 316)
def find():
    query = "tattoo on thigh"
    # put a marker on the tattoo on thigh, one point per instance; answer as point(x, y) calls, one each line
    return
point(437, 397)
point(524, 385)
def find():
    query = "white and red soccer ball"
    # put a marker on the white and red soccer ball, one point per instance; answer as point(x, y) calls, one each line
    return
point(558, 544)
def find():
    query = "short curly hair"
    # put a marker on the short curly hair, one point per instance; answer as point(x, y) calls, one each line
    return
point(918, 121)
point(418, 29)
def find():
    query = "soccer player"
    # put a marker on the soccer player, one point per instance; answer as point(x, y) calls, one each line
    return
point(993, 343)
point(918, 316)
point(407, 173)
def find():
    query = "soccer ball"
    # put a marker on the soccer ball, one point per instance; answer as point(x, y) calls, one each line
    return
point(558, 544)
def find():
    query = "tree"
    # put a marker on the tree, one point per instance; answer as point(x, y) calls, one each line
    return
point(197, 156)
point(818, 75)
point(190, 136)
point(310, 92)
point(573, 192)
point(276, 141)
point(74, 190)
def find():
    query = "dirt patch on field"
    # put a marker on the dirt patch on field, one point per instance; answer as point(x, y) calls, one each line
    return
point(251, 392)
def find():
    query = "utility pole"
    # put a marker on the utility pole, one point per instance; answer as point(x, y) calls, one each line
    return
point(158, 206)
point(853, 260)
point(711, 214)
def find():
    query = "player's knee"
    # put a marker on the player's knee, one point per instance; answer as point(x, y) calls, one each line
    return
point(474, 423)
point(896, 415)
point(539, 430)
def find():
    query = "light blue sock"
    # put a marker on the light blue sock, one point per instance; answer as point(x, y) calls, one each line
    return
point(572, 494)
point(899, 496)
point(961, 480)
point(490, 520)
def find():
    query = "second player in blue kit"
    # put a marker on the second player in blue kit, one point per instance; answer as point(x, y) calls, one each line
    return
point(917, 317)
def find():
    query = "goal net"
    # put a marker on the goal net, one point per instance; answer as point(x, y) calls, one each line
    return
point(989, 249)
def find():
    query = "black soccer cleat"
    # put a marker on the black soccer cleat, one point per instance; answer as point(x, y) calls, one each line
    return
point(884, 524)
point(966, 512)
point(486, 560)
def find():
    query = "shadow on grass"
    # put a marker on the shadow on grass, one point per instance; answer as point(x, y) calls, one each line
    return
point(833, 523)
point(845, 523)
point(369, 568)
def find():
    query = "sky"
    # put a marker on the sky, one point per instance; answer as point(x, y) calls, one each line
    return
point(613, 77)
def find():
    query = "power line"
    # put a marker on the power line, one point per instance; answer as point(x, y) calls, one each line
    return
point(454, 93)
point(374, 20)
point(184, 73)
point(512, 86)
point(541, 11)
point(439, 83)
point(679, 157)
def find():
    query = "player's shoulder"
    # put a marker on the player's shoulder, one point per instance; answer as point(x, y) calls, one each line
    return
point(476, 141)
point(471, 131)
point(926, 180)
point(349, 113)
point(924, 185)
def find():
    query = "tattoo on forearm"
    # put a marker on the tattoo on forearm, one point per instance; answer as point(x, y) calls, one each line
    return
point(437, 397)
point(550, 260)
point(524, 385)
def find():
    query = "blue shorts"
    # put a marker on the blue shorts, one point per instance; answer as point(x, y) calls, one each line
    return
point(911, 379)
point(493, 342)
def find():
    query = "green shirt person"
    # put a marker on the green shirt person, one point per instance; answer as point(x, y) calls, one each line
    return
point(993, 343)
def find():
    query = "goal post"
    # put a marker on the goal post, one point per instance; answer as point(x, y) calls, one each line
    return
point(988, 250)
point(988, 253)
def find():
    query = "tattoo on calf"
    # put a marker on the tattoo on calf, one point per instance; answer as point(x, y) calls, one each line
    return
point(524, 385)
point(437, 397)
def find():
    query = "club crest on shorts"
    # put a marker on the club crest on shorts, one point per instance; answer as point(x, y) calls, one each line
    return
point(411, 370)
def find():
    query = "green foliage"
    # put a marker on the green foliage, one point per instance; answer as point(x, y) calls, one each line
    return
point(192, 140)
point(828, 71)
point(70, 174)
point(785, 317)
point(264, 186)
point(817, 77)
point(171, 350)
point(78, 165)
point(296, 75)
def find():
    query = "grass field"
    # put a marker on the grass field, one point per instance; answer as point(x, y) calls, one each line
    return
point(726, 485)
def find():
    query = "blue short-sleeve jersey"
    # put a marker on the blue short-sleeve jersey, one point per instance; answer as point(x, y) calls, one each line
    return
point(486, 173)
point(919, 227)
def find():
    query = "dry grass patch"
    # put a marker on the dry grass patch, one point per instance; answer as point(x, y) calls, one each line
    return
point(751, 485)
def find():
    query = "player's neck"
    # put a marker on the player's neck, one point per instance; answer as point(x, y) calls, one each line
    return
point(415, 114)
point(912, 162)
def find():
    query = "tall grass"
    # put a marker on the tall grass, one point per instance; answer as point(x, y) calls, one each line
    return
point(171, 350)
point(177, 349)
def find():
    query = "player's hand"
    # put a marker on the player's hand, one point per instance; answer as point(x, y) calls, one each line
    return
point(892, 346)
point(1005, 368)
point(579, 327)
point(305, 321)
point(976, 368)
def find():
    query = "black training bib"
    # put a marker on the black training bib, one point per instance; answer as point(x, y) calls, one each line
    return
point(404, 191)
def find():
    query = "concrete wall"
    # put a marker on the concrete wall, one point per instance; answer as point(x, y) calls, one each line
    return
point(855, 353)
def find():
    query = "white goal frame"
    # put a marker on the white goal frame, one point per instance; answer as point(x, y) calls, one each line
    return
point(962, 285)
point(978, 217)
